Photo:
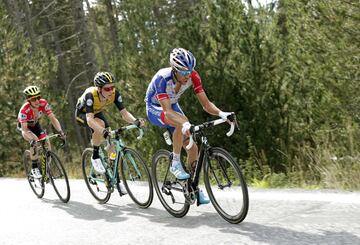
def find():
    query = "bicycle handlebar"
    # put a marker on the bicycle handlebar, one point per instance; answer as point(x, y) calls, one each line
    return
point(48, 137)
point(125, 128)
point(209, 124)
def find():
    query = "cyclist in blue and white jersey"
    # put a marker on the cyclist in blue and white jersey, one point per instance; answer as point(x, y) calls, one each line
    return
point(163, 109)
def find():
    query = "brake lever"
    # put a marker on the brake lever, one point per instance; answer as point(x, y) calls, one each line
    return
point(232, 118)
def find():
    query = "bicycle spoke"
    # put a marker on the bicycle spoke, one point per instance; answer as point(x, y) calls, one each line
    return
point(37, 185)
point(226, 186)
point(168, 189)
point(97, 184)
point(58, 177)
point(136, 177)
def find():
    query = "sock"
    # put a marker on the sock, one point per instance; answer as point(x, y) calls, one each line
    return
point(176, 157)
point(95, 152)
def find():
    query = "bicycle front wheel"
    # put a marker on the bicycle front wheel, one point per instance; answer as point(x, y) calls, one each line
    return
point(136, 177)
point(37, 185)
point(95, 182)
point(225, 185)
point(58, 177)
point(167, 188)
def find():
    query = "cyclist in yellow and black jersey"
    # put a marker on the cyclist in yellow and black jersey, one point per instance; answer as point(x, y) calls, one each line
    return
point(89, 112)
point(91, 102)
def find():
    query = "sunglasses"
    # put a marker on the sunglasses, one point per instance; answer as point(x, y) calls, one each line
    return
point(33, 99)
point(184, 73)
point(108, 89)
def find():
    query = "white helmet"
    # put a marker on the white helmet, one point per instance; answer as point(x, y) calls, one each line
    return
point(182, 60)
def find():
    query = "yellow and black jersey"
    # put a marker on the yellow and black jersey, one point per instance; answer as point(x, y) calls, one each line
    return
point(89, 102)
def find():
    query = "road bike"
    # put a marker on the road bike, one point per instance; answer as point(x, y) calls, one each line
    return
point(128, 164)
point(222, 177)
point(51, 169)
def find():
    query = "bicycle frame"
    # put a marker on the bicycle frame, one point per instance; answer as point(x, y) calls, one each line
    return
point(115, 139)
point(199, 137)
point(44, 148)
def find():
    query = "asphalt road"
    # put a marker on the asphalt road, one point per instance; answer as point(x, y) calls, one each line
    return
point(275, 217)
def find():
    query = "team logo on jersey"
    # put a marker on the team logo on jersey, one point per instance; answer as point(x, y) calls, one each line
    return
point(89, 102)
point(119, 99)
point(23, 116)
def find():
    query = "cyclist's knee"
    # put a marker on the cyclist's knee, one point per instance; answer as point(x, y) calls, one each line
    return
point(194, 148)
point(100, 122)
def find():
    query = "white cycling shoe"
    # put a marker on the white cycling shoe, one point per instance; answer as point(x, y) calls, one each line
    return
point(98, 166)
point(35, 172)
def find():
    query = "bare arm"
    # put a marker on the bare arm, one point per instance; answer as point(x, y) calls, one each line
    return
point(55, 122)
point(127, 116)
point(207, 105)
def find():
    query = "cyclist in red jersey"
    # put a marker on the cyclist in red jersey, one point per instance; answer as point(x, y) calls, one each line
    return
point(28, 122)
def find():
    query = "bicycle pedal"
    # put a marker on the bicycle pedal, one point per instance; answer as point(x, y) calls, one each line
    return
point(91, 181)
point(182, 182)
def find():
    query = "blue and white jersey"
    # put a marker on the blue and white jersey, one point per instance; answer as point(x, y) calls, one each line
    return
point(162, 86)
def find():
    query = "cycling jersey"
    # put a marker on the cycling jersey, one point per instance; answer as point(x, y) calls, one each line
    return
point(27, 114)
point(89, 102)
point(162, 86)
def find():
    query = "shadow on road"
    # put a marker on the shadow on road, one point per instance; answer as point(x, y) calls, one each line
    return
point(279, 235)
point(256, 232)
point(260, 233)
point(85, 211)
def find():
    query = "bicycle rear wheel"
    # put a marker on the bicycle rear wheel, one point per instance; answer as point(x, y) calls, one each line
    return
point(226, 186)
point(95, 182)
point(136, 177)
point(58, 177)
point(37, 185)
point(167, 188)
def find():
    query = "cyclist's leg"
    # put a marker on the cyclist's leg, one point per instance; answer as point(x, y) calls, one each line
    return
point(192, 154)
point(156, 116)
point(96, 137)
point(34, 133)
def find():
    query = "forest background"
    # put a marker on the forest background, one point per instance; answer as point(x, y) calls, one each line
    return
point(289, 69)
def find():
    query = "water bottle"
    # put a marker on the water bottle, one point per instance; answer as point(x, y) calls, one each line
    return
point(112, 156)
point(167, 137)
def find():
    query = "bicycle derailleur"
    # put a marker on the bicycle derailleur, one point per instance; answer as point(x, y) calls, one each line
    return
point(188, 190)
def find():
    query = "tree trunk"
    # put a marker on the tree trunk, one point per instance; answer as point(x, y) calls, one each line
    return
point(113, 26)
point(13, 8)
point(86, 47)
point(29, 26)
point(99, 42)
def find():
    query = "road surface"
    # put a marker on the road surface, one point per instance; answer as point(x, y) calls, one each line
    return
point(275, 217)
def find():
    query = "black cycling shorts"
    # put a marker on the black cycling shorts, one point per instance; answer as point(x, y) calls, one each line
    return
point(81, 119)
point(36, 129)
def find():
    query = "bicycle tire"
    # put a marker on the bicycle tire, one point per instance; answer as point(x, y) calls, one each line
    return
point(91, 178)
point(220, 166)
point(56, 171)
point(37, 185)
point(136, 177)
point(164, 185)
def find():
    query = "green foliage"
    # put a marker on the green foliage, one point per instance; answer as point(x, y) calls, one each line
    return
point(289, 71)
point(18, 69)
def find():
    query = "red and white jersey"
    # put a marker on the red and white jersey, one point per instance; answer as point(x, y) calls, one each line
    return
point(27, 114)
